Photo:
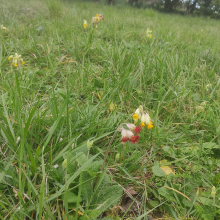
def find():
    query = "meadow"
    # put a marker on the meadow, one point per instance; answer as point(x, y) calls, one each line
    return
point(62, 109)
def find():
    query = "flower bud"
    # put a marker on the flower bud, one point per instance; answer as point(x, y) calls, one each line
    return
point(89, 144)
point(64, 164)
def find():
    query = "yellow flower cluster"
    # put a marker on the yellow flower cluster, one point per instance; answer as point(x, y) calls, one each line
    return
point(85, 25)
point(95, 21)
point(148, 33)
point(16, 59)
point(3, 28)
point(144, 117)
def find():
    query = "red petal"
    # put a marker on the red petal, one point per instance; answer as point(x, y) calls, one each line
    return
point(134, 139)
point(137, 130)
point(124, 139)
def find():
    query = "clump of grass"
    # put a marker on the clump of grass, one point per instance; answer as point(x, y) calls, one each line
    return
point(55, 8)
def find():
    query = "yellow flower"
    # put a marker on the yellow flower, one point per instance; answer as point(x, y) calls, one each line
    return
point(150, 125)
point(3, 28)
point(142, 125)
point(145, 118)
point(85, 25)
point(148, 33)
point(135, 116)
point(16, 59)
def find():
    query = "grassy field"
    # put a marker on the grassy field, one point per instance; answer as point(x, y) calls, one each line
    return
point(82, 84)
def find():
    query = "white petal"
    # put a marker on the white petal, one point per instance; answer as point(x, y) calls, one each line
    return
point(124, 133)
point(131, 126)
point(129, 134)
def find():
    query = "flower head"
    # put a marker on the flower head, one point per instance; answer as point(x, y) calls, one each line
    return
point(134, 139)
point(126, 133)
point(150, 125)
point(16, 60)
point(85, 25)
point(124, 139)
point(97, 17)
point(101, 17)
point(131, 126)
point(3, 28)
point(137, 130)
point(145, 118)
point(148, 33)
point(89, 144)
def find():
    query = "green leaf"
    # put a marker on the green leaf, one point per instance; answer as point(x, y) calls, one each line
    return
point(71, 197)
point(158, 171)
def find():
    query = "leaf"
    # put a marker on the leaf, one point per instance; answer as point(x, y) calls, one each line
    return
point(167, 170)
point(158, 171)
point(210, 145)
point(112, 107)
point(108, 198)
point(71, 197)
point(170, 151)
point(205, 201)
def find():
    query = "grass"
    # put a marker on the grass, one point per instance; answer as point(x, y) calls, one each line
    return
point(78, 85)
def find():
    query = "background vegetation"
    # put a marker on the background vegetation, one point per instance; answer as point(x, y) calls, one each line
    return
point(209, 8)
point(80, 84)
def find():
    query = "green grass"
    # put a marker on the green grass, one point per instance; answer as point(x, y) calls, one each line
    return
point(61, 98)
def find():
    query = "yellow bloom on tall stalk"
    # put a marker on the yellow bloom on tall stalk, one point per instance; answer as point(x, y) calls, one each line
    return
point(3, 28)
point(85, 25)
point(145, 120)
point(97, 17)
point(148, 33)
point(16, 60)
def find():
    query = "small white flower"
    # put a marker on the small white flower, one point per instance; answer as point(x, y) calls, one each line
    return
point(56, 166)
point(18, 139)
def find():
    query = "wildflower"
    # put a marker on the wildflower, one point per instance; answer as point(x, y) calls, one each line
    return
point(64, 164)
point(213, 192)
point(97, 17)
point(135, 117)
point(126, 133)
point(148, 33)
point(89, 144)
point(131, 126)
point(137, 130)
point(117, 157)
point(200, 108)
point(101, 17)
point(138, 114)
point(204, 104)
point(145, 120)
point(85, 25)
point(208, 86)
point(16, 59)
point(3, 28)
point(134, 139)
point(124, 139)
